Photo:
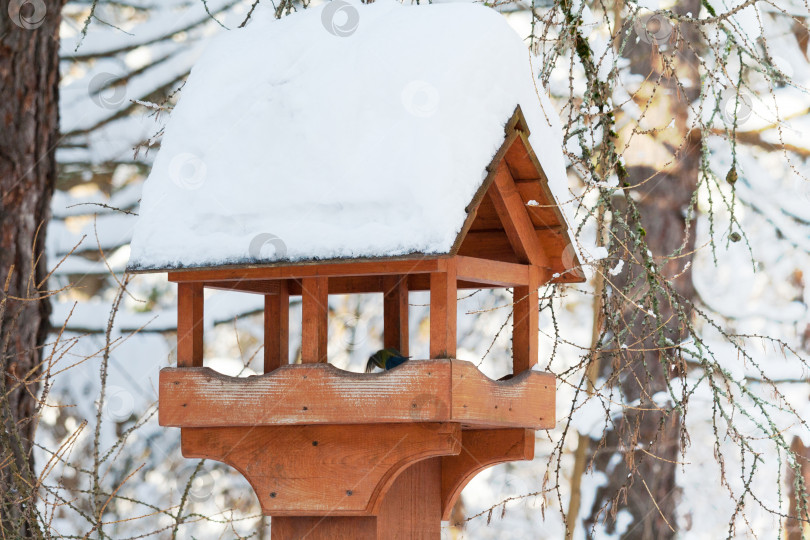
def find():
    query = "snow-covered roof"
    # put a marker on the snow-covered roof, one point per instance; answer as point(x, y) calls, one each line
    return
point(346, 131)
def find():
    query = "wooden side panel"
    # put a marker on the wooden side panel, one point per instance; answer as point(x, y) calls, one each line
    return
point(277, 328)
point(395, 313)
point(324, 528)
point(338, 470)
point(525, 323)
point(306, 394)
point(489, 245)
point(189, 325)
point(315, 323)
point(443, 312)
point(481, 449)
point(411, 510)
point(526, 400)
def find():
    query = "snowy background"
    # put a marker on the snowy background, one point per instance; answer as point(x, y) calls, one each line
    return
point(135, 54)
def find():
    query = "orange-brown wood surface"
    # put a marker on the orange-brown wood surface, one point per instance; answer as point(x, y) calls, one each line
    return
point(190, 324)
point(516, 222)
point(525, 322)
point(395, 313)
point(443, 312)
point(493, 272)
point(411, 509)
point(277, 327)
point(481, 449)
point(315, 323)
point(324, 528)
point(417, 391)
point(338, 470)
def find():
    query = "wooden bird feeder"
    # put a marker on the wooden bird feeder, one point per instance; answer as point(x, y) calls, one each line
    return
point(336, 454)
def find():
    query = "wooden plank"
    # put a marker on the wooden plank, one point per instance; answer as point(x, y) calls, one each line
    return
point(336, 470)
point(395, 313)
point(277, 328)
point(257, 287)
point(526, 400)
point(324, 528)
point(419, 391)
point(545, 214)
point(306, 394)
point(481, 449)
point(519, 228)
point(366, 268)
point(411, 510)
point(190, 325)
point(526, 322)
point(315, 319)
point(443, 312)
point(492, 272)
point(486, 217)
point(492, 244)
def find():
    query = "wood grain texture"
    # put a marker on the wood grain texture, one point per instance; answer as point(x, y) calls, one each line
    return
point(481, 449)
point(443, 311)
point(323, 528)
point(525, 322)
point(516, 222)
point(190, 325)
point(418, 391)
point(493, 272)
point(277, 327)
point(411, 509)
point(312, 269)
point(338, 470)
point(395, 313)
point(315, 319)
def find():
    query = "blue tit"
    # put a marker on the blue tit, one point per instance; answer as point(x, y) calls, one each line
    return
point(385, 359)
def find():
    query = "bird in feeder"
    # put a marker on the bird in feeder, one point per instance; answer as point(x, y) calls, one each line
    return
point(386, 359)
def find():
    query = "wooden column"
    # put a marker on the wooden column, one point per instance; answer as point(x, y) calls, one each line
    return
point(189, 324)
point(525, 322)
point(277, 328)
point(395, 313)
point(315, 315)
point(443, 312)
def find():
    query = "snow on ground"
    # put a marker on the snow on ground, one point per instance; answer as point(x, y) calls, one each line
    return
point(360, 145)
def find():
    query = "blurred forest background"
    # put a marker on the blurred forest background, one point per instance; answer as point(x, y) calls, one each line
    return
point(681, 362)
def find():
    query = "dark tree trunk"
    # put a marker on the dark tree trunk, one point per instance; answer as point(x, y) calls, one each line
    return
point(29, 78)
point(642, 446)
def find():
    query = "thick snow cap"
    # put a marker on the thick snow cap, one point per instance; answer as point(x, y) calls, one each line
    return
point(345, 131)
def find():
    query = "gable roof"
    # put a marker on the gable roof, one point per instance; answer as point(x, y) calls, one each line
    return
point(327, 146)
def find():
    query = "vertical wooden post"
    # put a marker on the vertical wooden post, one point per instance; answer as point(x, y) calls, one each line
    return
point(315, 315)
point(189, 324)
point(277, 328)
point(412, 508)
point(526, 322)
point(443, 312)
point(395, 313)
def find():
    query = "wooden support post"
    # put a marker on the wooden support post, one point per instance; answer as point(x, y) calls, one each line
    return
point(315, 315)
point(412, 508)
point(525, 323)
point(395, 313)
point(189, 325)
point(443, 312)
point(277, 328)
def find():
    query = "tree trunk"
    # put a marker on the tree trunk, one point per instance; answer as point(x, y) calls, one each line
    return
point(641, 448)
point(29, 78)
